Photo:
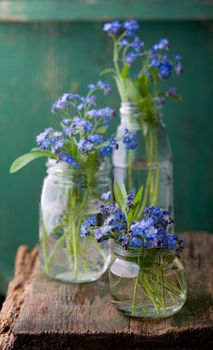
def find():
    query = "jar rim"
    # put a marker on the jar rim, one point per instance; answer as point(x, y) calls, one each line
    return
point(134, 252)
point(128, 104)
point(132, 112)
point(54, 167)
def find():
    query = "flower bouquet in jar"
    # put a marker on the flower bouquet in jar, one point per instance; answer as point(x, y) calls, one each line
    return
point(77, 173)
point(140, 74)
point(147, 277)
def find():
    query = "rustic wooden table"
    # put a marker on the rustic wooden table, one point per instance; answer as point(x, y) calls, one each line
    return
point(39, 313)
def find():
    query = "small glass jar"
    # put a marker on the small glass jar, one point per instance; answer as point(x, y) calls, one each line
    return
point(149, 284)
point(69, 196)
point(150, 163)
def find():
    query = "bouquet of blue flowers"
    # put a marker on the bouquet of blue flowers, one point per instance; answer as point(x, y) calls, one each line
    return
point(78, 171)
point(141, 84)
point(148, 278)
point(81, 140)
point(140, 74)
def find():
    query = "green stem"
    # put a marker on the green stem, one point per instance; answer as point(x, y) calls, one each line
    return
point(152, 182)
point(157, 170)
point(101, 251)
point(168, 286)
point(72, 236)
point(134, 299)
point(59, 242)
point(70, 224)
point(74, 246)
point(146, 192)
point(163, 289)
point(117, 282)
point(153, 288)
point(130, 158)
point(180, 280)
point(115, 56)
point(149, 292)
point(44, 248)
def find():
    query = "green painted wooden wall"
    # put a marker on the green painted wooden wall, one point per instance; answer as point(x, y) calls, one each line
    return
point(47, 48)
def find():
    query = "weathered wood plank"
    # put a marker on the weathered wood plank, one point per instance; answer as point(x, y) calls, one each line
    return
point(26, 267)
point(66, 10)
point(54, 306)
point(64, 316)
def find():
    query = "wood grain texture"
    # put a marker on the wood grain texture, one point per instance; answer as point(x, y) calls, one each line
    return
point(64, 316)
point(26, 267)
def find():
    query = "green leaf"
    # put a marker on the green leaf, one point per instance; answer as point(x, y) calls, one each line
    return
point(102, 129)
point(125, 70)
point(132, 91)
point(135, 206)
point(154, 71)
point(107, 70)
point(142, 84)
point(123, 190)
point(73, 149)
point(138, 197)
point(27, 158)
point(119, 198)
point(35, 149)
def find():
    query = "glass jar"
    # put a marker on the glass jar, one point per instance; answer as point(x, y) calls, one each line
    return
point(150, 164)
point(148, 284)
point(69, 196)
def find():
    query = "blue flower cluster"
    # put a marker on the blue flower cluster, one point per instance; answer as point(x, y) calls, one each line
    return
point(106, 196)
point(136, 44)
point(114, 219)
point(101, 233)
point(129, 139)
point(80, 102)
point(155, 63)
point(105, 113)
point(83, 133)
point(112, 27)
point(131, 56)
point(76, 125)
point(164, 64)
point(50, 139)
point(87, 101)
point(108, 147)
point(172, 92)
point(63, 101)
point(130, 27)
point(88, 224)
point(67, 158)
point(89, 143)
point(101, 85)
point(150, 232)
point(163, 44)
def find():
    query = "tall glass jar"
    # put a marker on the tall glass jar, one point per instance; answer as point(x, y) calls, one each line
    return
point(149, 283)
point(69, 196)
point(150, 164)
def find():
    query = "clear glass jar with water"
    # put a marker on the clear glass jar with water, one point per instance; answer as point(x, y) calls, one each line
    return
point(150, 164)
point(69, 196)
point(149, 283)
